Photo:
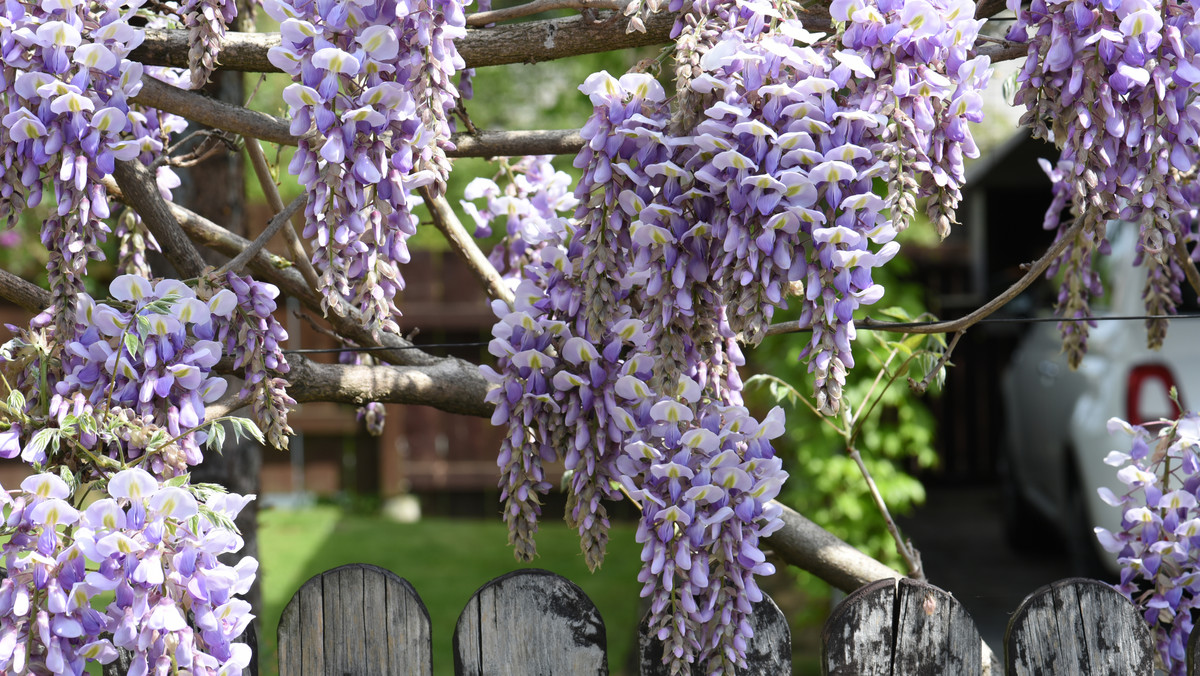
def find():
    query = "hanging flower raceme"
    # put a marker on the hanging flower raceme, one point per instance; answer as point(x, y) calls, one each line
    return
point(371, 93)
point(1114, 85)
point(205, 21)
point(113, 420)
point(1158, 547)
point(138, 357)
point(704, 480)
point(153, 546)
point(533, 194)
point(245, 326)
point(66, 82)
point(693, 226)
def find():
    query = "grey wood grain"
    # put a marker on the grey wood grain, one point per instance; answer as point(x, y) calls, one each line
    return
point(900, 627)
point(344, 601)
point(530, 623)
point(355, 620)
point(768, 653)
point(1077, 627)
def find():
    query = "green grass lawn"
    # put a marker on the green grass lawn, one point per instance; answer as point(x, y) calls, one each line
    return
point(445, 560)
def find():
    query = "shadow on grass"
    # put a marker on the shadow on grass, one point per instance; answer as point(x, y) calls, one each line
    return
point(446, 560)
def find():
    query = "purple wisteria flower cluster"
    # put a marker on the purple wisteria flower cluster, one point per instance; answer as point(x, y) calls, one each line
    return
point(533, 192)
point(1158, 546)
point(148, 545)
point(109, 545)
point(1114, 85)
point(697, 217)
point(373, 414)
point(65, 83)
point(703, 471)
point(244, 325)
point(370, 100)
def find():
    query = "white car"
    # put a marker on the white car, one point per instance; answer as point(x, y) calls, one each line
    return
point(1056, 418)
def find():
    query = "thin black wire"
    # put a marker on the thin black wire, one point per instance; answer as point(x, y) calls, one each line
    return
point(876, 325)
point(868, 324)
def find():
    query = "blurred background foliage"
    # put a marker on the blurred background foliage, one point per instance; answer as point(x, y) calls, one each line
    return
point(895, 441)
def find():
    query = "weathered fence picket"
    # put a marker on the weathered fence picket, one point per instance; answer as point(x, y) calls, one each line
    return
point(355, 620)
point(530, 622)
point(365, 620)
point(1077, 627)
point(900, 627)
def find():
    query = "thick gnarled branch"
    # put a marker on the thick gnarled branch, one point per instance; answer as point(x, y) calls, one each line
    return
point(529, 42)
point(28, 296)
point(480, 19)
point(141, 192)
point(450, 385)
point(254, 124)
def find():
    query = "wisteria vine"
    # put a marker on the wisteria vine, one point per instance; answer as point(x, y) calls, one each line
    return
point(373, 86)
point(115, 419)
point(1114, 85)
point(776, 168)
point(698, 215)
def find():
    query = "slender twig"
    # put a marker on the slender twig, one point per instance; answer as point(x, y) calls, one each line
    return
point(262, 77)
point(1179, 251)
point(871, 390)
point(278, 221)
point(950, 326)
point(446, 221)
point(920, 387)
point(795, 395)
point(907, 552)
point(537, 7)
point(207, 150)
point(299, 255)
point(866, 415)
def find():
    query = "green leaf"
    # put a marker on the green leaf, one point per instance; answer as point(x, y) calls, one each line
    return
point(158, 439)
point(177, 481)
point(41, 440)
point(16, 401)
point(132, 343)
point(245, 427)
point(216, 437)
point(143, 325)
point(69, 477)
point(896, 313)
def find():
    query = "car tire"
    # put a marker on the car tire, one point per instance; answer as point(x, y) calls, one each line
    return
point(1025, 529)
point(1080, 537)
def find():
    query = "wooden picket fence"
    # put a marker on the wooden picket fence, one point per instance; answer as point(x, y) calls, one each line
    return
point(362, 620)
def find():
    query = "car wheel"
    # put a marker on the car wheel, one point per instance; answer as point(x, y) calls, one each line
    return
point(1081, 538)
point(1024, 528)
